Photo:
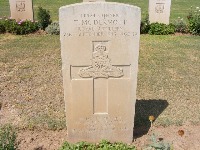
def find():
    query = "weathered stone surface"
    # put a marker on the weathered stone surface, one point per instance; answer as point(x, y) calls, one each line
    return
point(159, 11)
point(21, 9)
point(100, 48)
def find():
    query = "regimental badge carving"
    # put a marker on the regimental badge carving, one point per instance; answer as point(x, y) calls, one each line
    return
point(20, 6)
point(101, 65)
point(160, 7)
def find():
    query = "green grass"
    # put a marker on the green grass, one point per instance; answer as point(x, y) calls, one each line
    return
point(31, 79)
point(168, 79)
point(179, 8)
point(4, 8)
point(8, 138)
point(169, 72)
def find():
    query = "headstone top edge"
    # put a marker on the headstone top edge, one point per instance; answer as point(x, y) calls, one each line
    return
point(97, 3)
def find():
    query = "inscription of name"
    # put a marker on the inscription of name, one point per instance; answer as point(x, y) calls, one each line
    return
point(100, 25)
point(99, 22)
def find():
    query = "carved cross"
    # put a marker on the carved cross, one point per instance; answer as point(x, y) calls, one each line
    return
point(100, 71)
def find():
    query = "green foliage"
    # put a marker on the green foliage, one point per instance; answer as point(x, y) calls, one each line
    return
point(194, 21)
point(161, 29)
point(53, 28)
point(7, 138)
point(145, 25)
point(20, 28)
point(103, 145)
point(157, 145)
point(2, 27)
point(180, 25)
point(46, 121)
point(24, 27)
point(54, 124)
point(44, 18)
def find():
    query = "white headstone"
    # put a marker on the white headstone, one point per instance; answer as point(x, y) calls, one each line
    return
point(159, 11)
point(100, 48)
point(21, 9)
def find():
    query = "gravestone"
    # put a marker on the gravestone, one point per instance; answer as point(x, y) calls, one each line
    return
point(21, 9)
point(159, 11)
point(100, 48)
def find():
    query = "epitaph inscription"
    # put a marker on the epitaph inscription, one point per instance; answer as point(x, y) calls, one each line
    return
point(102, 123)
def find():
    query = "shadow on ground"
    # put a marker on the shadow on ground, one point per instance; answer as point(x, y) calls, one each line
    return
point(144, 109)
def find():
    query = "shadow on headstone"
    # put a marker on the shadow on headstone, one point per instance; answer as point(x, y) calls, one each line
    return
point(144, 109)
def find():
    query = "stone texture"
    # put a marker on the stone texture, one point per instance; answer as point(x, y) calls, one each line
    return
point(21, 9)
point(100, 48)
point(159, 11)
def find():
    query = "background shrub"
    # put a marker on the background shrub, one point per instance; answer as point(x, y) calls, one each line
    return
point(194, 21)
point(21, 27)
point(53, 28)
point(180, 26)
point(10, 25)
point(170, 29)
point(2, 26)
point(145, 25)
point(44, 18)
point(161, 29)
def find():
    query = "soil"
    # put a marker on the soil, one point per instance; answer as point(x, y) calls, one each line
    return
point(31, 93)
point(41, 139)
point(190, 140)
point(52, 140)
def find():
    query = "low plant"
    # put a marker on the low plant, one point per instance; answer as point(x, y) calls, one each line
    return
point(2, 26)
point(25, 27)
point(194, 21)
point(53, 28)
point(7, 138)
point(44, 18)
point(145, 25)
point(103, 145)
point(19, 28)
point(54, 124)
point(157, 144)
point(161, 29)
point(151, 119)
point(180, 25)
